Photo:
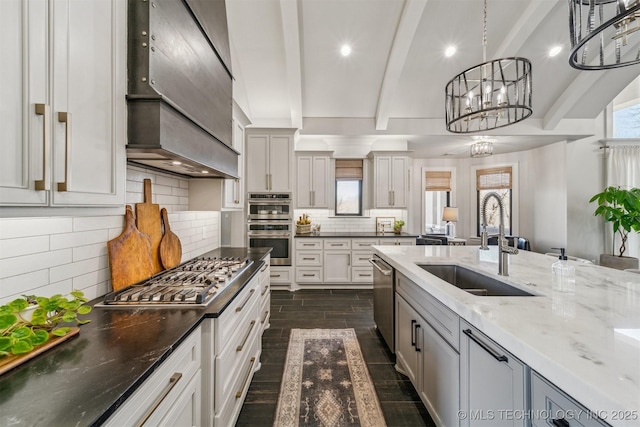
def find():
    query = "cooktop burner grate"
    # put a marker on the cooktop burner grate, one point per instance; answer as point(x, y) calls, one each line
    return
point(197, 282)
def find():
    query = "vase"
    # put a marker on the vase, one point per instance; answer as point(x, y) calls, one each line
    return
point(618, 262)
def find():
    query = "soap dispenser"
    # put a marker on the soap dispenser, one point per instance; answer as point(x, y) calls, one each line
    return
point(563, 274)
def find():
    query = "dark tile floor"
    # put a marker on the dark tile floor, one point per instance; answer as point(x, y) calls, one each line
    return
point(329, 309)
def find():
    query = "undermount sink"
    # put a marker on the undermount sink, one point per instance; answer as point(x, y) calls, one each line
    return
point(472, 282)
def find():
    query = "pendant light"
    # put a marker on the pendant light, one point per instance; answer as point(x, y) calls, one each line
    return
point(603, 32)
point(490, 95)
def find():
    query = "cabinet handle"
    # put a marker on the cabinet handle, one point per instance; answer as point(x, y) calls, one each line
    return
point(308, 275)
point(270, 182)
point(64, 117)
point(246, 337)
point(390, 202)
point(237, 188)
point(245, 301)
point(308, 259)
point(417, 327)
point(413, 330)
point(560, 422)
point(264, 268)
point(364, 275)
point(264, 291)
point(266, 178)
point(364, 259)
point(246, 379)
point(499, 357)
point(313, 193)
point(172, 383)
point(308, 244)
point(44, 111)
point(264, 319)
point(274, 275)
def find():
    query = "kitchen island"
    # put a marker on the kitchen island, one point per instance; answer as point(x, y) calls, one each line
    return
point(86, 379)
point(585, 342)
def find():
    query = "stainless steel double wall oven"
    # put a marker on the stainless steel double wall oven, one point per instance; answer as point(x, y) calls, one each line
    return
point(270, 224)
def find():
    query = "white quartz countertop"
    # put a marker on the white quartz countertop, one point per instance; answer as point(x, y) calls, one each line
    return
point(586, 342)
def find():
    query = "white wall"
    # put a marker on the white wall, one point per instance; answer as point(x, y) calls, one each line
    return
point(49, 255)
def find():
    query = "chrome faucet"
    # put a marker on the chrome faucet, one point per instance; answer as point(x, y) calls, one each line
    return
point(503, 248)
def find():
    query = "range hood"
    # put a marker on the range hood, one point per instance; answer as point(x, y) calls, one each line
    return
point(179, 97)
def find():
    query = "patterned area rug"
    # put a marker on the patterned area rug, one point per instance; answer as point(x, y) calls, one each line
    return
point(326, 382)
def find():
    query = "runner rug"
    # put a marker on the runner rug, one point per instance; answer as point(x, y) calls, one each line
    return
point(326, 382)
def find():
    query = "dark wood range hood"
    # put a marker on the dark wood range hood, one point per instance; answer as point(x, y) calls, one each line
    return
point(180, 87)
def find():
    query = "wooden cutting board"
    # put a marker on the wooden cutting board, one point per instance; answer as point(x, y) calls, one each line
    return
point(148, 222)
point(129, 255)
point(170, 247)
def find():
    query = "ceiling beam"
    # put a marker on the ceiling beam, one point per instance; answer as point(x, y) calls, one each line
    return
point(291, 34)
point(409, 20)
point(524, 27)
point(579, 86)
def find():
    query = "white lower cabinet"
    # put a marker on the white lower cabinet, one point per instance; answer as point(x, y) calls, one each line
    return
point(429, 360)
point(172, 395)
point(493, 385)
point(338, 261)
point(232, 343)
point(551, 407)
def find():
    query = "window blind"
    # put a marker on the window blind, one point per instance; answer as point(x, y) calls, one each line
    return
point(494, 178)
point(348, 168)
point(437, 181)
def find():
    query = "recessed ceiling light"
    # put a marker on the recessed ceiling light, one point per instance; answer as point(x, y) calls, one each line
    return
point(345, 50)
point(554, 51)
point(205, 171)
point(175, 162)
point(450, 51)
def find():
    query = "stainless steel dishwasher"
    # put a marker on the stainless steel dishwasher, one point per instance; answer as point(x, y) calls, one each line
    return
point(384, 300)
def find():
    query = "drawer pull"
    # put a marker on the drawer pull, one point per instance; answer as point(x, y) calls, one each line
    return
point(308, 259)
point(264, 291)
point(274, 275)
point(308, 244)
point(337, 244)
point(43, 110)
point(417, 327)
point(172, 383)
point(246, 379)
point(65, 118)
point(499, 357)
point(245, 301)
point(364, 259)
point(266, 314)
point(308, 275)
point(244, 341)
point(364, 274)
point(262, 270)
point(413, 332)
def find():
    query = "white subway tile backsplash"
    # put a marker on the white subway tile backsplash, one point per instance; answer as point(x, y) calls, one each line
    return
point(71, 240)
point(23, 246)
point(13, 287)
point(28, 263)
point(24, 227)
point(51, 255)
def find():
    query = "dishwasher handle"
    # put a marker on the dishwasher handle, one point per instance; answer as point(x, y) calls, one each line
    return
point(374, 262)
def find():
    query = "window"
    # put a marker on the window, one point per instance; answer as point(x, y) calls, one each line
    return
point(626, 111)
point(496, 180)
point(349, 187)
point(437, 195)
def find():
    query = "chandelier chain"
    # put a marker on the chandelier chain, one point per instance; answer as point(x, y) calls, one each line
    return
point(484, 32)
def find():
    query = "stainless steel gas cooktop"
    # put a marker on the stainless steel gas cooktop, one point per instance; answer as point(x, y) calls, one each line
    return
point(194, 283)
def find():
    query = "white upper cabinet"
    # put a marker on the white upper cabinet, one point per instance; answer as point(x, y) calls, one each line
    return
point(63, 130)
point(269, 159)
point(234, 188)
point(391, 181)
point(312, 181)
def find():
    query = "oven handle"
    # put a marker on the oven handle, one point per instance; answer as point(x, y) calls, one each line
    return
point(269, 202)
point(254, 235)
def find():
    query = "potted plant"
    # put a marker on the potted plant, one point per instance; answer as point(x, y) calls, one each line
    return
point(397, 226)
point(621, 208)
point(22, 327)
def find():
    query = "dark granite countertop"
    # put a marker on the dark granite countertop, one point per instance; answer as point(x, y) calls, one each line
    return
point(355, 234)
point(84, 380)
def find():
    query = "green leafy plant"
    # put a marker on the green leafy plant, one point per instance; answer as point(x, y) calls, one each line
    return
point(621, 208)
point(19, 335)
point(397, 225)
